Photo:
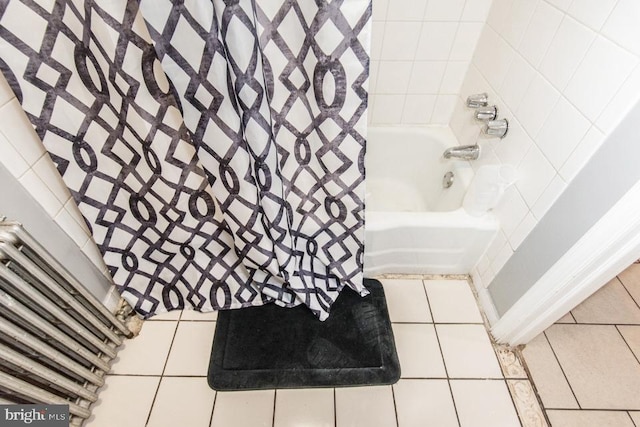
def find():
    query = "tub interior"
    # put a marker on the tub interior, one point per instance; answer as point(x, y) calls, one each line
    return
point(405, 170)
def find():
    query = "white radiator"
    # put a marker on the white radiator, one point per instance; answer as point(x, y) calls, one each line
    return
point(56, 339)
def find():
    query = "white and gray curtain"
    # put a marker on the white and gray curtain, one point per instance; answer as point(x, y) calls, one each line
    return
point(215, 148)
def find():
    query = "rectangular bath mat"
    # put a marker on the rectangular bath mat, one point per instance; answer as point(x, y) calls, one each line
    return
point(273, 347)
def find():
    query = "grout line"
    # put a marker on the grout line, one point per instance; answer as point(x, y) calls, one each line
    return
point(627, 290)
point(426, 294)
point(523, 361)
point(631, 418)
point(453, 400)
point(213, 407)
point(335, 410)
point(513, 402)
point(561, 369)
point(153, 402)
point(395, 407)
point(625, 341)
point(273, 417)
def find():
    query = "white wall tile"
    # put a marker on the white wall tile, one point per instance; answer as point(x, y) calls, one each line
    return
point(621, 103)
point(418, 109)
point(493, 57)
point(567, 49)
point(522, 230)
point(516, 81)
point(406, 10)
point(476, 10)
point(393, 76)
point(373, 75)
point(563, 5)
point(443, 109)
point(592, 13)
point(11, 158)
point(535, 174)
point(465, 41)
point(538, 102)
point(543, 27)
point(70, 226)
point(520, 16)
point(426, 77)
point(622, 25)
point(583, 152)
point(499, 14)
point(377, 36)
point(501, 259)
point(17, 129)
point(512, 149)
point(444, 10)
point(387, 109)
point(495, 246)
point(40, 192)
point(564, 129)
point(48, 173)
point(549, 196)
point(453, 77)
point(400, 41)
point(6, 94)
point(436, 40)
point(379, 12)
point(599, 76)
point(511, 210)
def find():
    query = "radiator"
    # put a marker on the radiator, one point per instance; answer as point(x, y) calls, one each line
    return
point(57, 340)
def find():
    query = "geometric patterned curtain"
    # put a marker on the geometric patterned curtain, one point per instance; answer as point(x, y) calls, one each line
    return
point(214, 148)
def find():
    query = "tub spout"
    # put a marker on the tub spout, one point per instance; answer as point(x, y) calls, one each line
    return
point(463, 152)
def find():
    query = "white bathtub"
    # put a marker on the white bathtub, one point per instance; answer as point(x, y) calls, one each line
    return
point(413, 225)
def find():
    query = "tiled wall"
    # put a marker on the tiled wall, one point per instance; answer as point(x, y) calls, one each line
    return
point(24, 156)
point(564, 73)
point(421, 50)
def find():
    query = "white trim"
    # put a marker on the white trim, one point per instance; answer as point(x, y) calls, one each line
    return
point(611, 245)
point(484, 298)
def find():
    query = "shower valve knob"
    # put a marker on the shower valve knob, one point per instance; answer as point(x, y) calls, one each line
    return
point(486, 113)
point(478, 100)
point(497, 128)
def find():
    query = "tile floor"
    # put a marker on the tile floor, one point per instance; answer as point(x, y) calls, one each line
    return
point(586, 366)
point(450, 375)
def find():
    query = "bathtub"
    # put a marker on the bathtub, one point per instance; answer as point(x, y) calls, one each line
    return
point(413, 225)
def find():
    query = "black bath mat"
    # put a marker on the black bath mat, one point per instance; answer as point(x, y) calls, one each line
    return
point(273, 347)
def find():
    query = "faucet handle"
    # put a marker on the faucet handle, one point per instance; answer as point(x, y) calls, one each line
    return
point(478, 100)
point(486, 113)
point(497, 128)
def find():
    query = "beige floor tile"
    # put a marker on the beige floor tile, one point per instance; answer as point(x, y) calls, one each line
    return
point(244, 409)
point(559, 418)
point(418, 351)
point(172, 315)
point(484, 403)
point(611, 304)
point(567, 318)
point(422, 403)
point(124, 401)
point(630, 278)
point(406, 300)
point(468, 352)
point(631, 335)
point(635, 416)
point(186, 401)
point(365, 406)
point(602, 376)
point(304, 407)
point(196, 315)
point(191, 349)
point(147, 353)
point(547, 375)
point(452, 301)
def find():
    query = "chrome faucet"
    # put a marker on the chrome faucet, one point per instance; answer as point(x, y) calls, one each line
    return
point(463, 152)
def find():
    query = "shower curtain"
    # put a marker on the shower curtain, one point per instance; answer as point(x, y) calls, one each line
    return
point(214, 148)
